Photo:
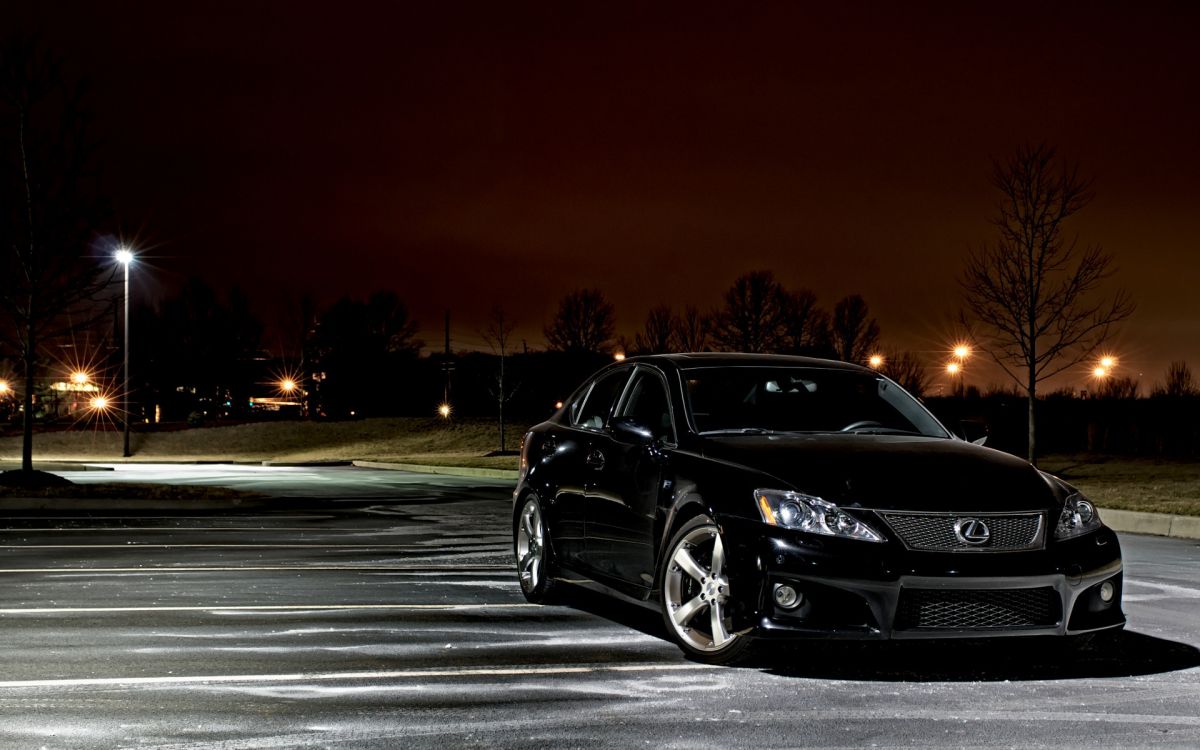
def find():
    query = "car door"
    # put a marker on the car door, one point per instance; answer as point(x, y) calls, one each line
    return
point(571, 446)
point(626, 480)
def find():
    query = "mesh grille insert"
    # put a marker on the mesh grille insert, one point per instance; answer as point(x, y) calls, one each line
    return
point(935, 531)
point(978, 609)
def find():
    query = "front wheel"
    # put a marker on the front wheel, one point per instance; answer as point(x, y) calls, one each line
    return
point(535, 556)
point(696, 595)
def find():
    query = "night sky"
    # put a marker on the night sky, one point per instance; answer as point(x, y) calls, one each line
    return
point(468, 155)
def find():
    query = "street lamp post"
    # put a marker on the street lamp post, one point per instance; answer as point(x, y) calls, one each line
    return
point(125, 257)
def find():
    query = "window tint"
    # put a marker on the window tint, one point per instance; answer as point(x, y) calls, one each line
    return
point(647, 403)
point(596, 407)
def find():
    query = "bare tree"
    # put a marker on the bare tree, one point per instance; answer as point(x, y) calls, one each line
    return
point(497, 334)
point(1033, 288)
point(692, 330)
point(658, 333)
point(1118, 388)
point(1178, 382)
point(754, 316)
point(855, 333)
point(48, 211)
point(908, 370)
point(585, 322)
point(806, 326)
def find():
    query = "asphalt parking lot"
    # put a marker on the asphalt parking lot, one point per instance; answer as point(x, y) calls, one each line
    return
point(380, 609)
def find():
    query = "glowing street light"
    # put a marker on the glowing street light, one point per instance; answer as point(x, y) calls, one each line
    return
point(619, 356)
point(1100, 372)
point(444, 410)
point(962, 351)
point(99, 403)
point(4, 389)
point(953, 368)
point(876, 361)
point(125, 257)
point(287, 385)
point(80, 377)
point(1108, 362)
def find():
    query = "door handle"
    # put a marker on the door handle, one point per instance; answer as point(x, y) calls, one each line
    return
point(595, 459)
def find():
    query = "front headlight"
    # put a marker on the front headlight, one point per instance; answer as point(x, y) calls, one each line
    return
point(1078, 516)
point(793, 510)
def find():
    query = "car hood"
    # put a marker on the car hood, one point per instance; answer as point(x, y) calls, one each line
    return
point(890, 472)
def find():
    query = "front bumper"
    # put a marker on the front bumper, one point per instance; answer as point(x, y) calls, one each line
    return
point(864, 590)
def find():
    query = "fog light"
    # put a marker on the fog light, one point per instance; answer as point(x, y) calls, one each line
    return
point(787, 597)
point(1107, 591)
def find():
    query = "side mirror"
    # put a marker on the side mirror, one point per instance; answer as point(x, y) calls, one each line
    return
point(631, 430)
point(973, 431)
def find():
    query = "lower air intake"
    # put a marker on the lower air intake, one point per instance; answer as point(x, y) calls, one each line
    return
point(982, 609)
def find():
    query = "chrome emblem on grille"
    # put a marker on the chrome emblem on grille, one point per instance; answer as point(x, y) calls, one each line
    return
point(972, 531)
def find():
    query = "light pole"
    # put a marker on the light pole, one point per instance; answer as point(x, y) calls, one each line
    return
point(125, 257)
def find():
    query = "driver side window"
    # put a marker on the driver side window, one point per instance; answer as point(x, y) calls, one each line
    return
point(647, 403)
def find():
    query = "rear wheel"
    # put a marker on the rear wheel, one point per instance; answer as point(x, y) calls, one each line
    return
point(535, 556)
point(696, 595)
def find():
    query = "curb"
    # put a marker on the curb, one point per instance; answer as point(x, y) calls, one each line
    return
point(1156, 524)
point(456, 471)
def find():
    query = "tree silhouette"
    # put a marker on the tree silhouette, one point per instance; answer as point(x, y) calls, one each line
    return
point(806, 326)
point(659, 333)
point(908, 370)
point(855, 333)
point(49, 286)
point(692, 330)
point(754, 317)
point(1178, 382)
point(584, 323)
point(1033, 288)
point(497, 333)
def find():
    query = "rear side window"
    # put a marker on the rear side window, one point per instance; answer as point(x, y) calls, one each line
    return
point(593, 414)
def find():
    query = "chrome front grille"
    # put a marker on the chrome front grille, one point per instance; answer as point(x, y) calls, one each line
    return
point(1007, 532)
point(978, 609)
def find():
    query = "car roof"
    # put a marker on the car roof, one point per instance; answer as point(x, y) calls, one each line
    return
point(726, 359)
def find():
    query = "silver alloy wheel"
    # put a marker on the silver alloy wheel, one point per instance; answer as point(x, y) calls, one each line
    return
point(696, 591)
point(530, 537)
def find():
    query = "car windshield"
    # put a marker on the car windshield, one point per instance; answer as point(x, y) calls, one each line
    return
point(756, 400)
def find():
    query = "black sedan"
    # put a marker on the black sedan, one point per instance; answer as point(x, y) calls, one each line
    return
point(751, 496)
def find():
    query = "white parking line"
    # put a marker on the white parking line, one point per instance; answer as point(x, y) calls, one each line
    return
point(258, 608)
point(403, 674)
point(465, 569)
point(139, 545)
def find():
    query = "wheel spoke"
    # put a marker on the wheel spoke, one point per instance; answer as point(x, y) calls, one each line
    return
point(684, 559)
point(530, 528)
point(717, 620)
point(685, 613)
point(718, 556)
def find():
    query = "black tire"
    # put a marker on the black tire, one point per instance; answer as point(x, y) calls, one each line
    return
point(534, 552)
point(691, 591)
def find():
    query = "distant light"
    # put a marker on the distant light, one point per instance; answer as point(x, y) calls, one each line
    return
point(876, 361)
point(619, 356)
point(962, 351)
point(99, 403)
point(557, 404)
point(79, 377)
point(1100, 372)
point(444, 410)
point(287, 385)
point(953, 368)
point(124, 256)
point(4, 387)
point(1108, 362)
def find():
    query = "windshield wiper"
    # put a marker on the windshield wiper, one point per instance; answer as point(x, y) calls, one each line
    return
point(886, 431)
point(741, 431)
